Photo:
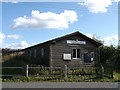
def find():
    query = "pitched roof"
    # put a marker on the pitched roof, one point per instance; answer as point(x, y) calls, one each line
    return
point(66, 36)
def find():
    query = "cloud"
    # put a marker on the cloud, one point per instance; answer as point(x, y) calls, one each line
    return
point(12, 45)
point(115, 0)
point(90, 35)
point(11, 1)
point(2, 37)
point(21, 45)
point(97, 6)
point(109, 40)
point(14, 1)
point(24, 44)
point(14, 36)
point(46, 20)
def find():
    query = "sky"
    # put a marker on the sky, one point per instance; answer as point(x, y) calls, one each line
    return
point(28, 23)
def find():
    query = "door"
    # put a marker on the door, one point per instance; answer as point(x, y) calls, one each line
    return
point(88, 57)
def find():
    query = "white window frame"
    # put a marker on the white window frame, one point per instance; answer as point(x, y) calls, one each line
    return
point(76, 53)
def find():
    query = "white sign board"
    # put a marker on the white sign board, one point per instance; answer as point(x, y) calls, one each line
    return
point(75, 42)
point(67, 56)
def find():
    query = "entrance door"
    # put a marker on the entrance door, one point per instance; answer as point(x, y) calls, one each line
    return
point(88, 57)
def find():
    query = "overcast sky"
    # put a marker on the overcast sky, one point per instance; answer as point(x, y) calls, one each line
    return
point(28, 23)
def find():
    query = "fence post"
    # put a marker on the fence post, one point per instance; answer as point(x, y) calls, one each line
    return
point(102, 70)
point(111, 72)
point(96, 70)
point(51, 69)
point(82, 70)
point(65, 71)
point(27, 70)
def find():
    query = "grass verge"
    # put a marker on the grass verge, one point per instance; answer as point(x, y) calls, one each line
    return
point(75, 78)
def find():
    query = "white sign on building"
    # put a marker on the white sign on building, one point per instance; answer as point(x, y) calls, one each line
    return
point(75, 42)
point(67, 56)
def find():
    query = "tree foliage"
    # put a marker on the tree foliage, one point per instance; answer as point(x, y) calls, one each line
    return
point(112, 55)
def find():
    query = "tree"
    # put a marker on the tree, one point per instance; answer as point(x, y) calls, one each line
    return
point(110, 54)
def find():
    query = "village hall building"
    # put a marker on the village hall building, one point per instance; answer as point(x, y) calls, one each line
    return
point(73, 50)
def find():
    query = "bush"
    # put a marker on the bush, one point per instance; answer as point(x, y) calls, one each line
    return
point(39, 71)
point(57, 72)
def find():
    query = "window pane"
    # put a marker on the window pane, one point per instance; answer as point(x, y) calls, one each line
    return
point(30, 53)
point(78, 53)
point(35, 53)
point(42, 52)
point(74, 53)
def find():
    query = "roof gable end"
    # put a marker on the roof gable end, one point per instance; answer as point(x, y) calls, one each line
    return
point(67, 36)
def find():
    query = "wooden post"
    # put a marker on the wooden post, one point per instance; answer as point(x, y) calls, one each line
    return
point(96, 70)
point(82, 70)
point(51, 68)
point(112, 72)
point(27, 70)
point(65, 71)
point(102, 70)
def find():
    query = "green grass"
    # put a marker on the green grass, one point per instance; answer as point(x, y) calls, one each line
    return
point(116, 76)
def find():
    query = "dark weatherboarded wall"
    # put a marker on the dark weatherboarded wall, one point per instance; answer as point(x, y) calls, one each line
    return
point(61, 47)
point(54, 50)
point(38, 58)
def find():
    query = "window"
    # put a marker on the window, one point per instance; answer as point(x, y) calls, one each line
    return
point(66, 56)
point(75, 53)
point(27, 53)
point(30, 53)
point(42, 52)
point(35, 53)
